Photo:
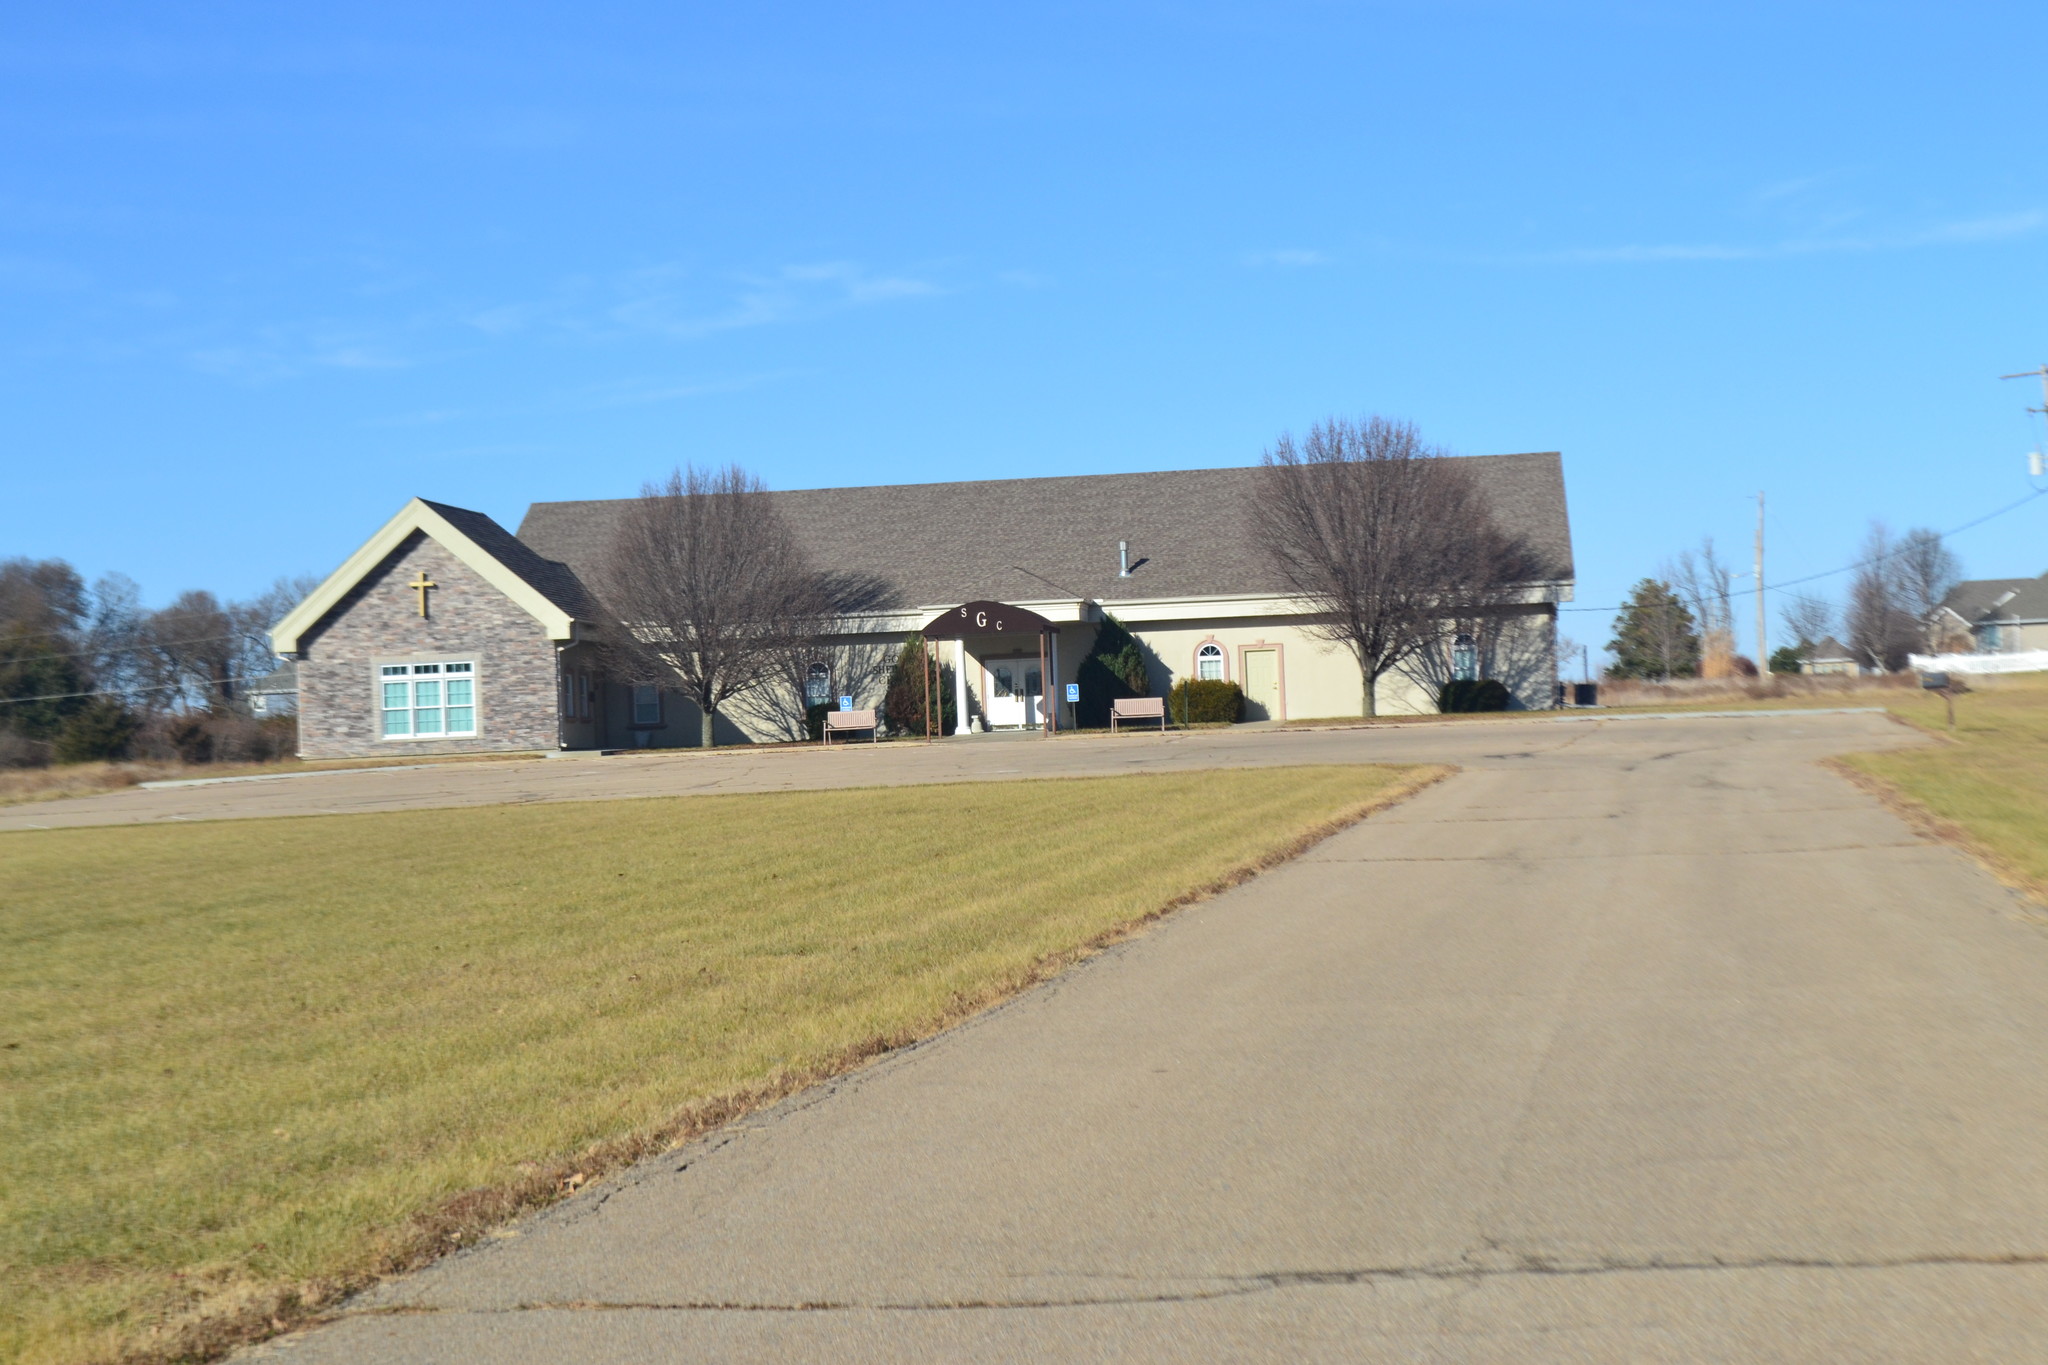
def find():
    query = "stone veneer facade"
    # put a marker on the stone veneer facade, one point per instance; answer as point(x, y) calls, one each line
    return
point(379, 623)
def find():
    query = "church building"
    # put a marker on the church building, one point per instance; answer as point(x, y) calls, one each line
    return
point(446, 633)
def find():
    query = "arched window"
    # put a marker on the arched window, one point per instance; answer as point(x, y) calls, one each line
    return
point(818, 685)
point(1209, 663)
point(1464, 659)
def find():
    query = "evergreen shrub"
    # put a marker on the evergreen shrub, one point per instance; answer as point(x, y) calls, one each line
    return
point(903, 702)
point(1196, 701)
point(1114, 668)
point(1473, 694)
point(102, 730)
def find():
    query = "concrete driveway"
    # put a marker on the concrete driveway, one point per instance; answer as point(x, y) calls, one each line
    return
point(980, 758)
point(1648, 1042)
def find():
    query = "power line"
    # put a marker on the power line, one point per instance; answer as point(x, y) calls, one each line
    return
point(136, 649)
point(111, 692)
point(1861, 563)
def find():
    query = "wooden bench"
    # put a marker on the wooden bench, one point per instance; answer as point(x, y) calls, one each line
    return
point(850, 720)
point(1137, 708)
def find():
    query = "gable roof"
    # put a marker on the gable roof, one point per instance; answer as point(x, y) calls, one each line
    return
point(1020, 540)
point(1828, 649)
point(1973, 600)
point(546, 591)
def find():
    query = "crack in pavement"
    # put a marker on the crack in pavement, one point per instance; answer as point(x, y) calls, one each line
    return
point(1233, 1286)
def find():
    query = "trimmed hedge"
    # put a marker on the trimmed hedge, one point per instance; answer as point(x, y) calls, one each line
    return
point(1473, 694)
point(1205, 702)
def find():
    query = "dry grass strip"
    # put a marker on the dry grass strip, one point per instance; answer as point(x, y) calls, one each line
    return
point(1943, 830)
point(226, 1316)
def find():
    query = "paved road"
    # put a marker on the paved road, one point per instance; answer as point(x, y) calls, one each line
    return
point(1631, 1043)
point(688, 773)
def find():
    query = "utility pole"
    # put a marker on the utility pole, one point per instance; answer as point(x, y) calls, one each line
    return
point(1763, 660)
point(2040, 372)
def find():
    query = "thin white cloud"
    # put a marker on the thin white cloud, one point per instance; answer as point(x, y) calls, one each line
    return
point(1995, 228)
point(1287, 258)
point(631, 392)
point(283, 353)
point(27, 273)
point(663, 299)
point(640, 392)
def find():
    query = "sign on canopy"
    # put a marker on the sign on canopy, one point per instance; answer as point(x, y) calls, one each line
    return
point(986, 618)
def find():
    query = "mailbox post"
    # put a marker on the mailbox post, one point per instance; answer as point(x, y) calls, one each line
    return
point(1939, 682)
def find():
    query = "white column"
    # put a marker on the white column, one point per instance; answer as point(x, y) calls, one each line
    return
point(960, 684)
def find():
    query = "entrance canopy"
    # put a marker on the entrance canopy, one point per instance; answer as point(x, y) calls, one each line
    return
point(987, 618)
point(981, 620)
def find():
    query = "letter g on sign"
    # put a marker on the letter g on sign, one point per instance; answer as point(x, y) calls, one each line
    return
point(981, 618)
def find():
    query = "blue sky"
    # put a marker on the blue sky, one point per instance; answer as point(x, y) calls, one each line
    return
point(265, 272)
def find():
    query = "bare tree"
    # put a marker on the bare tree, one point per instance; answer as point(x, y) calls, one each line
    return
point(1391, 542)
point(1810, 618)
point(1924, 571)
point(1703, 582)
point(708, 587)
point(846, 662)
point(1883, 629)
point(42, 596)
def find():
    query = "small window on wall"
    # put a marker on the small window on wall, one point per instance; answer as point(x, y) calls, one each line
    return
point(818, 685)
point(576, 695)
point(427, 701)
point(646, 705)
point(1465, 659)
point(1209, 663)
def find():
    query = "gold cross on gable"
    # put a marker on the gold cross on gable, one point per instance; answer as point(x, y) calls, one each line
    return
point(420, 586)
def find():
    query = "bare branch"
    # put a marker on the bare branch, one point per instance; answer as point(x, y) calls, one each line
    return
point(709, 587)
point(1393, 542)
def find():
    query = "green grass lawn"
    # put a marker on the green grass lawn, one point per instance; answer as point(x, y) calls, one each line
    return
point(245, 1064)
point(1990, 781)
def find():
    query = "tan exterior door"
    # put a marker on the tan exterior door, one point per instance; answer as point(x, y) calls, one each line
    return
point(1262, 684)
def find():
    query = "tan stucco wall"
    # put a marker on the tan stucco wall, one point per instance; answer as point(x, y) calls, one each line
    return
point(1318, 679)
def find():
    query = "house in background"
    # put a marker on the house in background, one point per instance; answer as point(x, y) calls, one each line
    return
point(446, 633)
point(1996, 615)
point(275, 693)
point(1829, 657)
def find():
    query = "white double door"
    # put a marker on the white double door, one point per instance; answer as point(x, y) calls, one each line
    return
point(1016, 693)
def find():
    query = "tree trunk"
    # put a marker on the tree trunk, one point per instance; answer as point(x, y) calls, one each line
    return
point(1372, 702)
point(707, 715)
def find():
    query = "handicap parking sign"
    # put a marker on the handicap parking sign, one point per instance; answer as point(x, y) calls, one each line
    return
point(846, 703)
point(1073, 691)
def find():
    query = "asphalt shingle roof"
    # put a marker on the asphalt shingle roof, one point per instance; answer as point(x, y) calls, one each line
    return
point(1972, 599)
point(1015, 540)
point(555, 581)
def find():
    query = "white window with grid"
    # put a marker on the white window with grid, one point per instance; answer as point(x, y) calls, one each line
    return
point(427, 700)
point(1209, 663)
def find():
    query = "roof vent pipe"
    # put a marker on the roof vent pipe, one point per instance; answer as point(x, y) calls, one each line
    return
point(1123, 559)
